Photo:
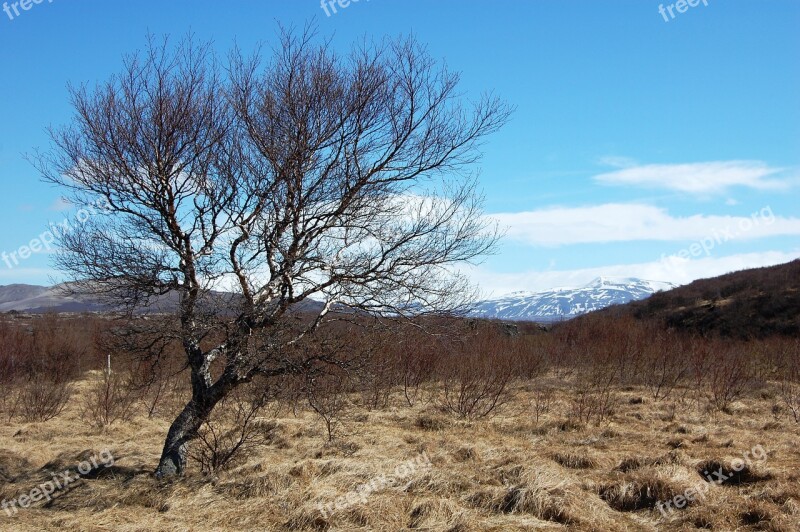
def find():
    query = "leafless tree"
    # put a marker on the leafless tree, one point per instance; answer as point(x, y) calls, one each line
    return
point(275, 178)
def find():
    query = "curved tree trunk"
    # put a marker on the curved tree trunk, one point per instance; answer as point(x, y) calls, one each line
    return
point(184, 429)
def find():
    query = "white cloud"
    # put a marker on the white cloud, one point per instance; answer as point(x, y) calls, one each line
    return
point(624, 222)
point(676, 271)
point(698, 178)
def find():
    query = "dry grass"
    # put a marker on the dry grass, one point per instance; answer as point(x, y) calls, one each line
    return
point(507, 473)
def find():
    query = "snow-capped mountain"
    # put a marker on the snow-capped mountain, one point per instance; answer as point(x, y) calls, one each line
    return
point(564, 303)
point(551, 305)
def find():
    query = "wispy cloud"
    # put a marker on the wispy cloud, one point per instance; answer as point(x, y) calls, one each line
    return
point(624, 222)
point(61, 205)
point(696, 178)
point(617, 161)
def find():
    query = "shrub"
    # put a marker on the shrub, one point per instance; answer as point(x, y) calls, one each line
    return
point(42, 399)
point(109, 399)
point(476, 377)
point(665, 364)
point(418, 359)
point(234, 432)
point(327, 396)
point(790, 389)
point(728, 377)
point(543, 400)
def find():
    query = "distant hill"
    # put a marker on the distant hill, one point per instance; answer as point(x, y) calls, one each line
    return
point(19, 292)
point(746, 304)
point(36, 299)
point(565, 303)
point(548, 306)
point(39, 299)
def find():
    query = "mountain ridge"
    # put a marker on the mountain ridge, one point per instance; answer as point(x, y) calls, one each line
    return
point(562, 303)
point(556, 304)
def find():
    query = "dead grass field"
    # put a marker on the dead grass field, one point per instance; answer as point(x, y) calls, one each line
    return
point(504, 474)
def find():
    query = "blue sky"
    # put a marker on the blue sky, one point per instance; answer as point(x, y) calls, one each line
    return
point(662, 149)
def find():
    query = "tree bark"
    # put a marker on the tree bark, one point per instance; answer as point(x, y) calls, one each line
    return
point(183, 430)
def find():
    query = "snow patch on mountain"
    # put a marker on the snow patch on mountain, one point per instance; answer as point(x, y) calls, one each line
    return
point(564, 303)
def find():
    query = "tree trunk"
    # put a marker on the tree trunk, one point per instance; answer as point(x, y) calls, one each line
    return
point(205, 397)
point(181, 432)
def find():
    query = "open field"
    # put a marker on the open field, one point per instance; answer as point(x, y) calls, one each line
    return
point(427, 266)
point(508, 472)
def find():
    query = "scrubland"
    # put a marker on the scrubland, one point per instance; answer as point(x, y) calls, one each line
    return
point(587, 426)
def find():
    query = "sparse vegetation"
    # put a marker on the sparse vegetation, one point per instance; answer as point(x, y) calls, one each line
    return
point(288, 269)
point(586, 446)
point(589, 425)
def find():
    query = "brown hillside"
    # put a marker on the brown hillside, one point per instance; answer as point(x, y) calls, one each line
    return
point(754, 303)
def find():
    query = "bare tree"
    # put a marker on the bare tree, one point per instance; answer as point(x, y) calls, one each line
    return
point(278, 178)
